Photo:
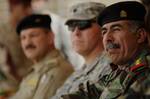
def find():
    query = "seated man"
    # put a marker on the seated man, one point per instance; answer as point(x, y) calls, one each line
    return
point(87, 41)
point(50, 69)
point(125, 41)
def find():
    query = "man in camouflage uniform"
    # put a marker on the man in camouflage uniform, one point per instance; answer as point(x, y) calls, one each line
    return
point(87, 41)
point(125, 41)
point(50, 69)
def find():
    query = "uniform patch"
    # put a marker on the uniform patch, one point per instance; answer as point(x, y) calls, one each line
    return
point(33, 81)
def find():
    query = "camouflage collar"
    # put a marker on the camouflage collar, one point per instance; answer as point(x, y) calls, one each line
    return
point(137, 70)
point(92, 66)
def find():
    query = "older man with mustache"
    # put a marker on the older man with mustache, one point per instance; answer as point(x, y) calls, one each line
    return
point(125, 41)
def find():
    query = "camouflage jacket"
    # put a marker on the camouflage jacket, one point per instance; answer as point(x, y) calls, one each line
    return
point(78, 79)
point(132, 82)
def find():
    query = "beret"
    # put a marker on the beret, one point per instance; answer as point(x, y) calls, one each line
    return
point(127, 10)
point(33, 21)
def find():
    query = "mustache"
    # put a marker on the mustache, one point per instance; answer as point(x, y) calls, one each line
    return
point(30, 46)
point(112, 45)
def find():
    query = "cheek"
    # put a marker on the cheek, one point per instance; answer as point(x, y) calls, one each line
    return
point(23, 44)
point(104, 42)
point(72, 38)
point(128, 45)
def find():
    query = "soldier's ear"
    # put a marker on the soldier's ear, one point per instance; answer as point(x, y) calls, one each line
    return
point(51, 37)
point(141, 35)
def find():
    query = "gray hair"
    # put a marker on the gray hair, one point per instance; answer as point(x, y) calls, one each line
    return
point(135, 25)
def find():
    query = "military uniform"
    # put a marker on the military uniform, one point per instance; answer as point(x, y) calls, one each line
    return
point(132, 82)
point(99, 68)
point(10, 39)
point(45, 78)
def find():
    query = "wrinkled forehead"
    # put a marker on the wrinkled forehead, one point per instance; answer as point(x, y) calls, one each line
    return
point(121, 23)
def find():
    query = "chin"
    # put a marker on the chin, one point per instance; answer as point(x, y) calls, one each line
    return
point(30, 56)
point(114, 60)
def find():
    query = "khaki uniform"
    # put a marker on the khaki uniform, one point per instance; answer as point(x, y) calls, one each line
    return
point(47, 76)
point(99, 68)
point(10, 39)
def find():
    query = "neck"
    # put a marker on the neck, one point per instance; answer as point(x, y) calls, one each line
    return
point(42, 57)
point(90, 57)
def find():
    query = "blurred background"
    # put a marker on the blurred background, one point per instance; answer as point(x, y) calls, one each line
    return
point(58, 11)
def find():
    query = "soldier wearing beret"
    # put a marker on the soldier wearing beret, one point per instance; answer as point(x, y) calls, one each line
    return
point(125, 41)
point(50, 69)
point(86, 41)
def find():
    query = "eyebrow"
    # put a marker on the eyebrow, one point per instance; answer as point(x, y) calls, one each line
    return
point(116, 25)
point(112, 26)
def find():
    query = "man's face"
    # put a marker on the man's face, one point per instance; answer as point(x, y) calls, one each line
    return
point(86, 38)
point(119, 42)
point(35, 42)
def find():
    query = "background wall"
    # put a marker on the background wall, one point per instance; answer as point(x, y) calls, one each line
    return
point(57, 9)
point(56, 6)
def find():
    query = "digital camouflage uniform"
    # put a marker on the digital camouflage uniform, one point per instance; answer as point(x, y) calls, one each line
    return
point(45, 78)
point(77, 83)
point(99, 68)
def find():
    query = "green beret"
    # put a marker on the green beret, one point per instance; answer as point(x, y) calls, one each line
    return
point(33, 21)
point(127, 10)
